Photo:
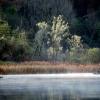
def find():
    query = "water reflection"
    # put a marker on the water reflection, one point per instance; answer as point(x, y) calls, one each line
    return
point(41, 96)
point(49, 89)
point(44, 96)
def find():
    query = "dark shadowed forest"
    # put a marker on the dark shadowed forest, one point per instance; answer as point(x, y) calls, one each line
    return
point(58, 30)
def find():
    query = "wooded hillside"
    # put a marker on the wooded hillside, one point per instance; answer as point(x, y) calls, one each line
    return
point(23, 21)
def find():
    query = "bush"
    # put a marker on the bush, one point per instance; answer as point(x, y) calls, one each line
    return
point(93, 55)
point(21, 48)
point(84, 56)
point(75, 55)
point(13, 45)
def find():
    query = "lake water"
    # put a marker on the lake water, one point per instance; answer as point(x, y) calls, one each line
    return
point(50, 87)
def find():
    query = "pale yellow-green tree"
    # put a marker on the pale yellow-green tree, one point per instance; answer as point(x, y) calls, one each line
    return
point(59, 29)
point(51, 34)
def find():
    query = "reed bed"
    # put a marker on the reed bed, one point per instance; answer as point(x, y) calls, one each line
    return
point(35, 67)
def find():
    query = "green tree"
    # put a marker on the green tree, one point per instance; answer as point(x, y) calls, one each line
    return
point(59, 29)
point(13, 45)
point(5, 34)
point(50, 35)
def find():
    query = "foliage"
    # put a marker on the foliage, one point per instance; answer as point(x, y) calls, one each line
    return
point(93, 55)
point(13, 45)
point(59, 29)
point(46, 37)
point(50, 35)
point(76, 42)
point(39, 44)
point(5, 30)
point(26, 13)
point(89, 29)
point(83, 56)
point(22, 49)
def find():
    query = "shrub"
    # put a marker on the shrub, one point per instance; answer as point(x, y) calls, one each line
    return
point(93, 55)
point(22, 50)
point(13, 45)
point(75, 55)
point(84, 56)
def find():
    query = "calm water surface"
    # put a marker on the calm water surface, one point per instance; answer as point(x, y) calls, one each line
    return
point(31, 87)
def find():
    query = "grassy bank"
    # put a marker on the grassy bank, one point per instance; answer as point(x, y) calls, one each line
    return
point(46, 67)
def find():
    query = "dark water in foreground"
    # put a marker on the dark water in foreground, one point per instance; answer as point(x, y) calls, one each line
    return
point(40, 88)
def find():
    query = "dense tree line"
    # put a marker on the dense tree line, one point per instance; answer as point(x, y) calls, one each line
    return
point(30, 29)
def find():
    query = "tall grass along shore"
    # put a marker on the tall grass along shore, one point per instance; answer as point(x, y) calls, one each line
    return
point(35, 67)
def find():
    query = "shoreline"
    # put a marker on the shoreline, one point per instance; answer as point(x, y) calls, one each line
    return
point(53, 76)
